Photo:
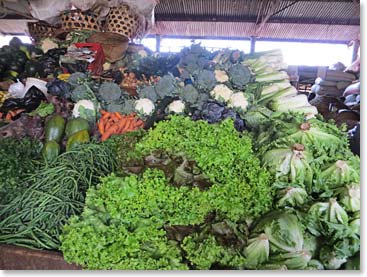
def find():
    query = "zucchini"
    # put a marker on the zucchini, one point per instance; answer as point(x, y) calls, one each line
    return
point(55, 128)
point(76, 139)
point(75, 125)
point(51, 150)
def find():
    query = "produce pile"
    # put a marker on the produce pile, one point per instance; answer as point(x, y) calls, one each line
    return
point(207, 161)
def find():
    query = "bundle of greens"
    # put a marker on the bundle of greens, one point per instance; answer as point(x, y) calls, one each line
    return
point(53, 193)
point(18, 158)
point(197, 184)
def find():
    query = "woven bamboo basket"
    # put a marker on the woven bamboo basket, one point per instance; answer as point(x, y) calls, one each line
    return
point(122, 20)
point(78, 20)
point(114, 45)
point(39, 30)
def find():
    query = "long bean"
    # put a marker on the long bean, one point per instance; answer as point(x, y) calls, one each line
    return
point(54, 193)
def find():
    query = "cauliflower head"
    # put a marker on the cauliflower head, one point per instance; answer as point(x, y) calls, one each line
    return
point(238, 100)
point(176, 106)
point(221, 76)
point(221, 93)
point(144, 106)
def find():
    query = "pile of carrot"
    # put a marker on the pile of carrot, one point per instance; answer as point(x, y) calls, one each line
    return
point(114, 123)
point(11, 114)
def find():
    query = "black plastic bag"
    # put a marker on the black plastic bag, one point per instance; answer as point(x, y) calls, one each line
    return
point(30, 102)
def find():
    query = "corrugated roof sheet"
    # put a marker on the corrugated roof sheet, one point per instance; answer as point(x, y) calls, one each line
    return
point(335, 20)
point(246, 30)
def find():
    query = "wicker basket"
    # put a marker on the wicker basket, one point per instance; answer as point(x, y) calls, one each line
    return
point(114, 45)
point(122, 20)
point(39, 30)
point(78, 20)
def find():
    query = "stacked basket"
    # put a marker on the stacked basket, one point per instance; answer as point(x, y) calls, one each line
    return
point(39, 30)
point(124, 21)
point(78, 20)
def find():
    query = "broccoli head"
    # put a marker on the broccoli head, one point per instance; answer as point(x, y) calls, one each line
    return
point(205, 80)
point(167, 86)
point(189, 94)
point(239, 75)
point(148, 92)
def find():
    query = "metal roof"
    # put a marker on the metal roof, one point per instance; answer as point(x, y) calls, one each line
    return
point(324, 20)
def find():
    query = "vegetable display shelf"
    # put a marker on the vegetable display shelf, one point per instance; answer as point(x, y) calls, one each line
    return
point(20, 258)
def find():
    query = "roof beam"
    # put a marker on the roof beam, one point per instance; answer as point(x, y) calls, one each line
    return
point(252, 19)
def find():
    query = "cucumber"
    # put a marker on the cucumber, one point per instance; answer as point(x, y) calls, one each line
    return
point(77, 138)
point(75, 125)
point(51, 150)
point(55, 128)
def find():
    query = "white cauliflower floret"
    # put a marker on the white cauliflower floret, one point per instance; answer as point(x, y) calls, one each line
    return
point(221, 93)
point(176, 106)
point(144, 106)
point(221, 76)
point(238, 100)
point(85, 109)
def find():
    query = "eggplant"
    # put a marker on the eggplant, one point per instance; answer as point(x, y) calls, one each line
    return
point(20, 57)
point(16, 67)
point(15, 42)
point(4, 59)
point(32, 68)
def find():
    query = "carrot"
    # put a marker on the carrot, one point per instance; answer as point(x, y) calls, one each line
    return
point(103, 112)
point(139, 124)
point(101, 127)
point(109, 132)
point(130, 126)
point(8, 116)
point(106, 116)
point(121, 125)
point(118, 115)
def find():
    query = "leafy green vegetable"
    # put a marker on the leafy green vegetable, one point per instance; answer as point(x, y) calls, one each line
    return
point(18, 159)
point(123, 219)
point(290, 164)
point(203, 254)
point(283, 230)
point(292, 260)
point(339, 173)
point(257, 251)
point(43, 110)
point(349, 197)
point(289, 195)
point(223, 156)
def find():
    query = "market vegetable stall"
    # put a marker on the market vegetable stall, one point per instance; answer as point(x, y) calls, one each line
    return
point(214, 162)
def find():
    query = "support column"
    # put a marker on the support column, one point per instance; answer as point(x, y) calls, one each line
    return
point(355, 50)
point(158, 43)
point(253, 42)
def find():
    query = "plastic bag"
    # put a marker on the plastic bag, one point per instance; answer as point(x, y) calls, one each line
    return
point(48, 10)
point(16, 90)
